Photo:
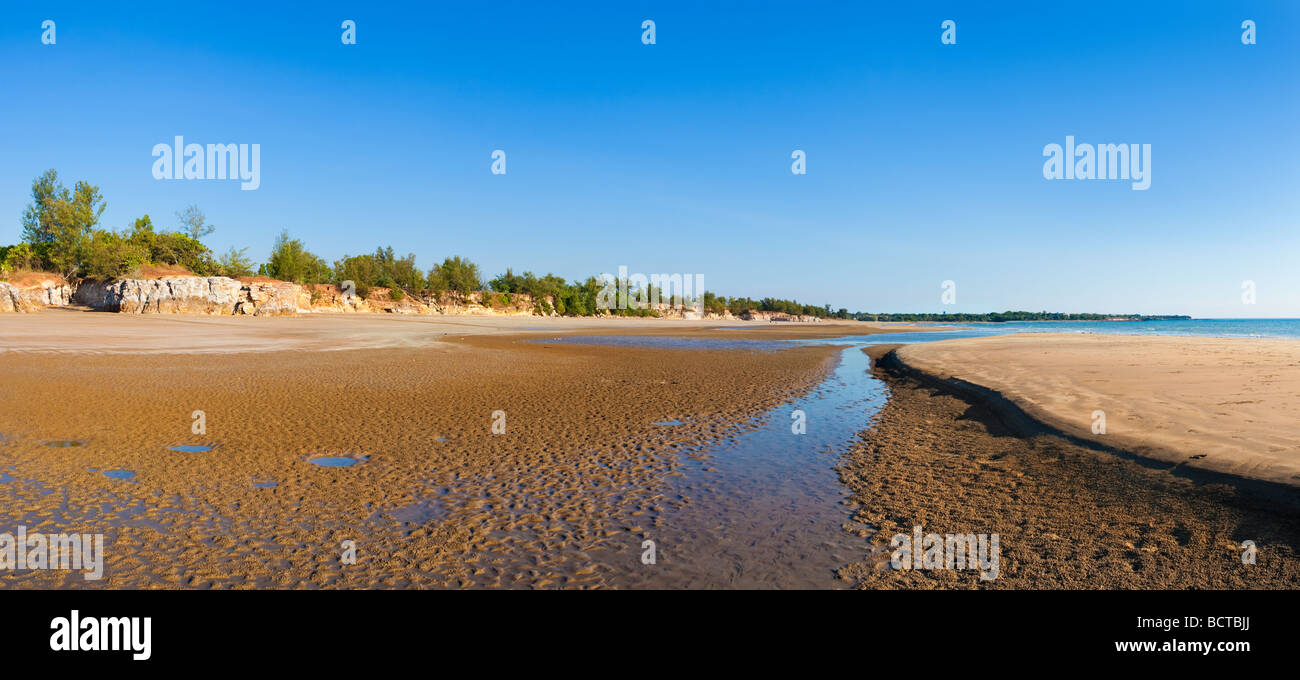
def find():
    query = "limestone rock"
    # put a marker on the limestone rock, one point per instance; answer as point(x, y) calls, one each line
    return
point(51, 292)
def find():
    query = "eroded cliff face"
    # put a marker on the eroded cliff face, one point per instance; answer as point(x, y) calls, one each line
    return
point(221, 296)
point(773, 317)
point(212, 295)
point(31, 297)
point(269, 298)
point(181, 295)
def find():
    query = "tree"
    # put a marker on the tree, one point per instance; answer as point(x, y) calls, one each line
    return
point(38, 216)
point(172, 248)
point(361, 270)
point(235, 262)
point(110, 256)
point(457, 275)
point(18, 257)
point(194, 223)
point(398, 271)
point(290, 261)
point(58, 223)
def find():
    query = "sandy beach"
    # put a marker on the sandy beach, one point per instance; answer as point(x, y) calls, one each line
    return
point(1226, 405)
point(1068, 515)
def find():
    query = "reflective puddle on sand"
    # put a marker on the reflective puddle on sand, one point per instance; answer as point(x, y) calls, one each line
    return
point(671, 423)
point(65, 443)
point(418, 513)
point(265, 483)
point(765, 510)
point(120, 474)
point(668, 342)
point(191, 448)
point(338, 461)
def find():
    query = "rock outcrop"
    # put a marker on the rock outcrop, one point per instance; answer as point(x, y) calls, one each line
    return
point(774, 317)
point(214, 295)
point(269, 298)
point(52, 292)
point(221, 296)
point(211, 295)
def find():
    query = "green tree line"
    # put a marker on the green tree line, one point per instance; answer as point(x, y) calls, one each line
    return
point(61, 233)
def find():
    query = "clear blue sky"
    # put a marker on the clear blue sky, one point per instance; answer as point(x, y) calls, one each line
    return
point(924, 160)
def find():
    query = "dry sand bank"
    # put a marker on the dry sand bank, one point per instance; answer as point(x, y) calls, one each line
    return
point(440, 502)
point(1068, 515)
point(75, 330)
point(1226, 405)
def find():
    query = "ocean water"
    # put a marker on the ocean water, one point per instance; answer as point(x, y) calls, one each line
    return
point(1218, 328)
point(1215, 328)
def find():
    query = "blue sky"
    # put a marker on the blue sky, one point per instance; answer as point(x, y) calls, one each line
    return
point(924, 160)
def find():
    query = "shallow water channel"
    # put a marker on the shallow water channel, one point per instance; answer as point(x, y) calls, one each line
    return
point(767, 509)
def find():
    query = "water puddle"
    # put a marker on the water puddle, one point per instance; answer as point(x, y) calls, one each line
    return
point(419, 513)
point(668, 342)
point(120, 474)
point(191, 448)
point(338, 461)
point(670, 423)
point(265, 483)
point(65, 443)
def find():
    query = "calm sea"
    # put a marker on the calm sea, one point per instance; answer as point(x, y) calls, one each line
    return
point(1221, 328)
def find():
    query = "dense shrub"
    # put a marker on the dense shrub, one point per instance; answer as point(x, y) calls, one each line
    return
point(18, 257)
point(108, 255)
point(173, 248)
point(457, 275)
point(235, 263)
point(290, 261)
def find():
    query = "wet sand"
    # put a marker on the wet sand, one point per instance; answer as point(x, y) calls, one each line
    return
point(79, 331)
point(1226, 405)
point(1069, 515)
point(438, 499)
